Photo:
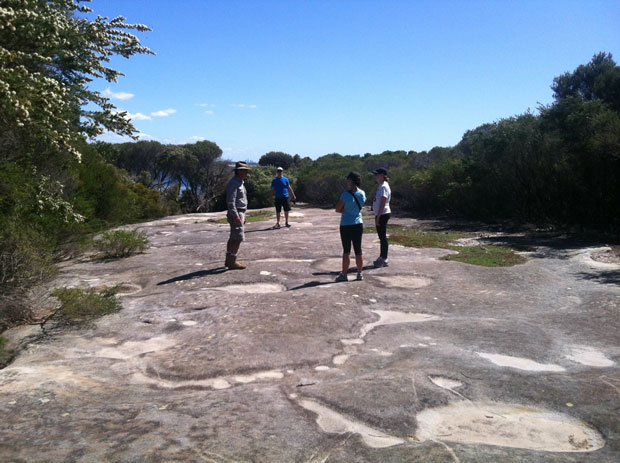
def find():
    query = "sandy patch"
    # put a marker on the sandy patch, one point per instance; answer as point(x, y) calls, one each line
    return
point(520, 363)
point(506, 425)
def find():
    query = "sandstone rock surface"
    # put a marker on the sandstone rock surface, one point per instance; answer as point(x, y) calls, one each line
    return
point(426, 360)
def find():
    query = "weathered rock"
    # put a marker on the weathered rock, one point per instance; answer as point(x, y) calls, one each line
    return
point(425, 360)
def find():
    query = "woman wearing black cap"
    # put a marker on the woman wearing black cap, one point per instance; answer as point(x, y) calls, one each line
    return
point(351, 225)
point(381, 208)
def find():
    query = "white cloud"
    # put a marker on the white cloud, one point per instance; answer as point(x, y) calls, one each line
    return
point(163, 112)
point(209, 112)
point(253, 106)
point(204, 105)
point(117, 95)
point(239, 105)
point(242, 105)
point(138, 117)
point(197, 138)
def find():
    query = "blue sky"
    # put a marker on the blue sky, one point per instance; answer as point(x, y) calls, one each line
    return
point(316, 77)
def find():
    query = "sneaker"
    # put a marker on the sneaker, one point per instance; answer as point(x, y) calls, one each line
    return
point(342, 277)
point(386, 263)
point(276, 226)
point(288, 225)
point(359, 277)
point(379, 263)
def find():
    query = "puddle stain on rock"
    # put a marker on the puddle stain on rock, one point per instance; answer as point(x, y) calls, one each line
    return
point(506, 425)
point(132, 349)
point(256, 288)
point(333, 422)
point(520, 363)
point(589, 356)
point(405, 281)
point(221, 382)
point(388, 317)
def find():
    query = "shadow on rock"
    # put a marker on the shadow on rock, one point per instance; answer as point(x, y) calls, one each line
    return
point(311, 284)
point(608, 277)
point(352, 269)
point(191, 276)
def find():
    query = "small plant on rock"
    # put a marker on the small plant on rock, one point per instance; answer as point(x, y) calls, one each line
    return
point(4, 357)
point(122, 243)
point(82, 306)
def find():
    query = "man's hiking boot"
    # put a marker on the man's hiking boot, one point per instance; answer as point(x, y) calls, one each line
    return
point(232, 264)
point(359, 277)
point(341, 277)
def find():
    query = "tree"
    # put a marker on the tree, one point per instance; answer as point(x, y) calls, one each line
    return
point(49, 52)
point(276, 158)
point(599, 79)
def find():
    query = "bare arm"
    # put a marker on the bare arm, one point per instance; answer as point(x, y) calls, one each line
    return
point(340, 207)
point(292, 193)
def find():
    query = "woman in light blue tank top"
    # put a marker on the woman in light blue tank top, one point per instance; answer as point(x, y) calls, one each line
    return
point(351, 225)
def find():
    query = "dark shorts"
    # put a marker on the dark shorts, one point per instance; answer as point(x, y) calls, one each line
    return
point(282, 203)
point(352, 234)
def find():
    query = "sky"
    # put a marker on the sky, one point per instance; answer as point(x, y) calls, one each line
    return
point(313, 77)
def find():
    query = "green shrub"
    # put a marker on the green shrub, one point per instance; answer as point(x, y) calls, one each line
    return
point(122, 243)
point(81, 306)
point(4, 356)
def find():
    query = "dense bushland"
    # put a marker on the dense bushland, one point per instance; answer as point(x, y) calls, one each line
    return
point(560, 166)
point(55, 187)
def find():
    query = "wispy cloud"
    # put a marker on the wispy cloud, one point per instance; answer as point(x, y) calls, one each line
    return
point(163, 112)
point(146, 136)
point(204, 105)
point(242, 105)
point(197, 138)
point(138, 117)
point(253, 106)
point(209, 112)
point(117, 95)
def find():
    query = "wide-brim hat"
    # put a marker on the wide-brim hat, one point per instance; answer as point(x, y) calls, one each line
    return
point(242, 166)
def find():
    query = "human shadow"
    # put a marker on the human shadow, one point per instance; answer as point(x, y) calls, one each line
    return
point(311, 284)
point(260, 230)
point(191, 276)
point(352, 269)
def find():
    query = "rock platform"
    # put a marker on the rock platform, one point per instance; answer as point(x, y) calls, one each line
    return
point(424, 361)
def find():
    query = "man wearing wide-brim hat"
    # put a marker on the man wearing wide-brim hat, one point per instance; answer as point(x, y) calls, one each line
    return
point(237, 201)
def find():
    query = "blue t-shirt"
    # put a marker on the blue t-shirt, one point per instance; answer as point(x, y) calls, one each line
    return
point(281, 186)
point(352, 214)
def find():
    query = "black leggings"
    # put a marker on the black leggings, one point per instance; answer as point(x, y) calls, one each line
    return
point(351, 233)
point(382, 232)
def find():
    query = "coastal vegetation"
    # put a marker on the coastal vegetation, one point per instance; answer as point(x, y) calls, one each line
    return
point(557, 165)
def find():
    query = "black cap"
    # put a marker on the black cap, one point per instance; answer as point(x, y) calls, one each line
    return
point(380, 170)
point(354, 176)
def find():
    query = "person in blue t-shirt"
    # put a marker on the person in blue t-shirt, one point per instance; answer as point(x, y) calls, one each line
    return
point(351, 225)
point(281, 187)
